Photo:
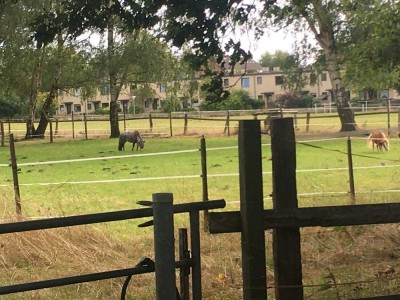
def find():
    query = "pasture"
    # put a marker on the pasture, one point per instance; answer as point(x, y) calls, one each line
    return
point(88, 176)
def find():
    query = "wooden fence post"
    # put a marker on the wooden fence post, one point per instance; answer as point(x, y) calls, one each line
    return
point(15, 176)
point(51, 130)
point(9, 126)
point(170, 124)
point(185, 271)
point(286, 241)
point(398, 123)
point(73, 125)
point(56, 131)
point(227, 129)
point(307, 121)
point(351, 175)
point(2, 133)
point(185, 124)
point(124, 118)
point(203, 153)
point(388, 116)
point(252, 211)
point(151, 123)
point(85, 122)
point(164, 246)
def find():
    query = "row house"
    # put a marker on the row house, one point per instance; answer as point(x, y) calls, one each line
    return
point(261, 83)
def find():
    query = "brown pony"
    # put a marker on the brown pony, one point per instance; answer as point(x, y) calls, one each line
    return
point(378, 139)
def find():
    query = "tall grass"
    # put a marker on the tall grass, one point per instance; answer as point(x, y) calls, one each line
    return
point(75, 187)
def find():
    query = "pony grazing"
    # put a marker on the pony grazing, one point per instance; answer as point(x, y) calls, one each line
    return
point(133, 137)
point(378, 139)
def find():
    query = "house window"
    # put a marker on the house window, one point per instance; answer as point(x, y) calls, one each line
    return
point(260, 97)
point(62, 107)
point(162, 88)
point(278, 80)
point(77, 92)
point(313, 79)
point(147, 104)
point(226, 82)
point(105, 90)
point(77, 108)
point(104, 105)
point(245, 82)
point(89, 106)
point(323, 77)
point(259, 80)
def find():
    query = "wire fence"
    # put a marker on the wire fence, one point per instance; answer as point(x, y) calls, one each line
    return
point(82, 126)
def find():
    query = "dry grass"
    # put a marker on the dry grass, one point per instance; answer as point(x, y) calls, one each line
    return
point(361, 260)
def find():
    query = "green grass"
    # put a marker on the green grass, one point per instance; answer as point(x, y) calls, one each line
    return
point(77, 186)
point(321, 166)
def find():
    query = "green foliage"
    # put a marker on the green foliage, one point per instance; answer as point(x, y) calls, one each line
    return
point(8, 109)
point(289, 100)
point(237, 100)
point(277, 59)
point(102, 111)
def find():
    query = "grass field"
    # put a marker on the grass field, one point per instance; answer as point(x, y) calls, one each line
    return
point(87, 176)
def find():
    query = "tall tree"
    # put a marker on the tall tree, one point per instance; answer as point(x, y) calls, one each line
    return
point(327, 23)
point(276, 59)
point(373, 59)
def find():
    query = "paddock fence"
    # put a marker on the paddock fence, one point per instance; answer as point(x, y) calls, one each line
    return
point(162, 210)
point(155, 124)
point(286, 218)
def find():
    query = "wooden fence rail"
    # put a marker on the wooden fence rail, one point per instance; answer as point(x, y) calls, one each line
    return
point(162, 210)
point(286, 218)
point(230, 119)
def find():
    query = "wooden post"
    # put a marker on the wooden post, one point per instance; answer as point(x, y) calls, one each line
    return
point(85, 122)
point(51, 131)
point(124, 118)
point(351, 175)
point(185, 125)
point(56, 131)
point(295, 120)
point(286, 241)
point(9, 126)
point(398, 123)
point(204, 180)
point(308, 122)
point(388, 116)
point(184, 271)
point(252, 211)
point(151, 123)
point(194, 221)
point(2, 133)
point(73, 125)
point(227, 129)
point(15, 176)
point(170, 124)
point(164, 246)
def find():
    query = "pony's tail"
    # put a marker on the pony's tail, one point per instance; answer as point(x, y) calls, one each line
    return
point(369, 141)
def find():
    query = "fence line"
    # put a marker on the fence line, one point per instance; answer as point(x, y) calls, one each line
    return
point(191, 176)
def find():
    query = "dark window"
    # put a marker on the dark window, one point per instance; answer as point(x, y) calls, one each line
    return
point(259, 80)
point(89, 106)
point(105, 89)
point(226, 82)
point(323, 77)
point(77, 108)
point(278, 80)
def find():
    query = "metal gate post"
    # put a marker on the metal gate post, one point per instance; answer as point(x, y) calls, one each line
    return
point(164, 246)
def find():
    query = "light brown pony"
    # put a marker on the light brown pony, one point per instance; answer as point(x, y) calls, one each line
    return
point(378, 139)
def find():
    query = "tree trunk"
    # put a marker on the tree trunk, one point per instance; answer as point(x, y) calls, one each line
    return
point(44, 116)
point(35, 84)
point(321, 24)
point(114, 124)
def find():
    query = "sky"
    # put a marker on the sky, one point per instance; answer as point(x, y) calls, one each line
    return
point(269, 42)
